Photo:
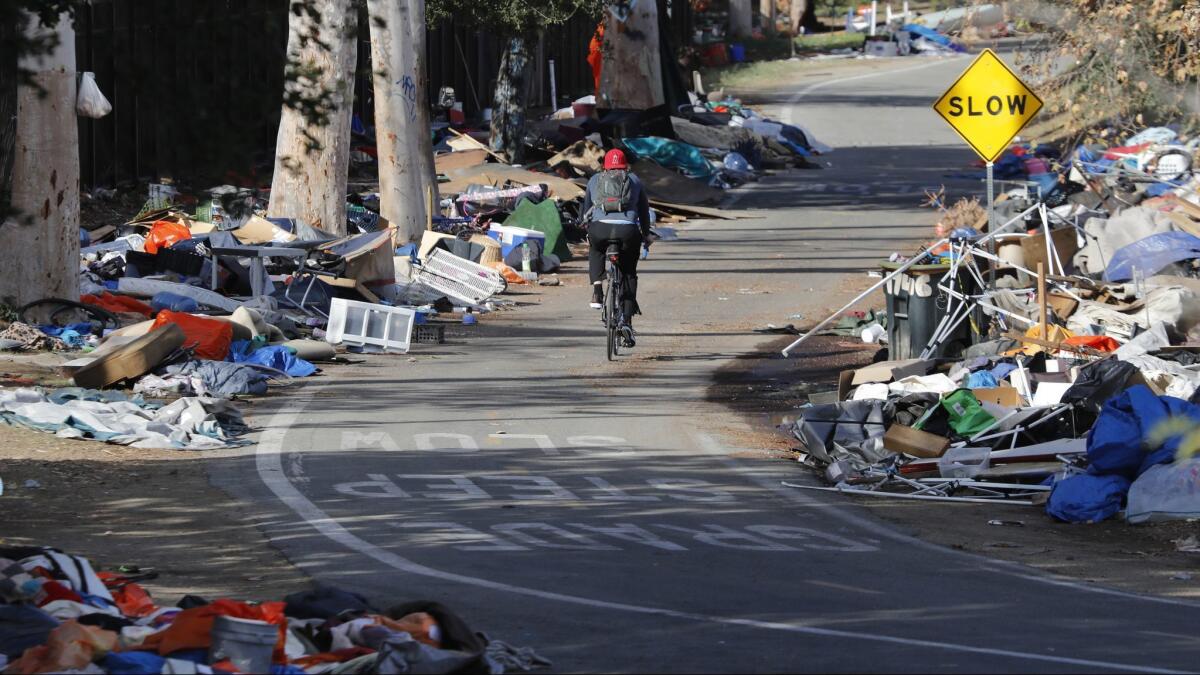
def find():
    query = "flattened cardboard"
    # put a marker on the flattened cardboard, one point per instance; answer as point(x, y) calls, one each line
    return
point(1065, 242)
point(132, 360)
point(1008, 397)
point(886, 371)
point(915, 442)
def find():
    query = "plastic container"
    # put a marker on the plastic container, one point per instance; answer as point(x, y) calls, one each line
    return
point(737, 53)
point(363, 324)
point(511, 237)
point(248, 644)
point(429, 333)
point(964, 462)
point(458, 278)
point(915, 308)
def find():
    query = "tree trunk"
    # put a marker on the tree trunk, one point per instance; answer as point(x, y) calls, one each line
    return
point(39, 246)
point(508, 105)
point(804, 14)
point(631, 76)
point(312, 157)
point(766, 12)
point(740, 18)
point(402, 131)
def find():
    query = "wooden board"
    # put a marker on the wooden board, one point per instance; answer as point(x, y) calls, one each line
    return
point(458, 160)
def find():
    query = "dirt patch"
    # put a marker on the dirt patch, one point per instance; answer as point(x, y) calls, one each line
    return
point(767, 389)
point(126, 506)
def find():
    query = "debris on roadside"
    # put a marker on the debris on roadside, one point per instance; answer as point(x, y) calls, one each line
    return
point(1050, 361)
point(62, 615)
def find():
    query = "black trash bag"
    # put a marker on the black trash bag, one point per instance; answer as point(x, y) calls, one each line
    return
point(1097, 382)
point(324, 602)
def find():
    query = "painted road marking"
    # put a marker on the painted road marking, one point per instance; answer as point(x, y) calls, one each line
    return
point(459, 487)
point(524, 535)
point(269, 465)
point(594, 445)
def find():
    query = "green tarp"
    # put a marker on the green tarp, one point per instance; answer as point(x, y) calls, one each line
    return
point(542, 217)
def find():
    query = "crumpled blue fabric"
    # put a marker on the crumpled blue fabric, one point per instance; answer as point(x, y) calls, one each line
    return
point(1151, 254)
point(1119, 441)
point(133, 663)
point(672, 155)
point(1002, 370)
point(1085, 498)
point(277, 357)
point(222, 378)
point(22, 627)
point(173, 302)
point(981, 379)
point(71, 334)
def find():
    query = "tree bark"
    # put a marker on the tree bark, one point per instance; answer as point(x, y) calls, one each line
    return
point(402, 131)
point(766, 12)
point(631, 76)
point(804, 14)
point(312, 157)
point(510, 100)
point(740, 18)
point(39, 246)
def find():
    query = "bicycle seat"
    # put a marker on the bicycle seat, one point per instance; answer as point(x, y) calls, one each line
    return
point(614, 247)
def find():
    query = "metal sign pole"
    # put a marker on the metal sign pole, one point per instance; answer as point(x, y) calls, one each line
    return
point(991, 213)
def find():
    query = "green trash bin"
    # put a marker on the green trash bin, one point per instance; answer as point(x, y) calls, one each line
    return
point(916, 307)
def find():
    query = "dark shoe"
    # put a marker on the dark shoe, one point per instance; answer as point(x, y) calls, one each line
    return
point(627, 336)
point(597, 297)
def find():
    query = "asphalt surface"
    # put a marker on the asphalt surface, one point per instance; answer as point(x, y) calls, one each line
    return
point(605, 513)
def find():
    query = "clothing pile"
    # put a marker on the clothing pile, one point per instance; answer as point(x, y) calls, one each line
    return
point(58, 614)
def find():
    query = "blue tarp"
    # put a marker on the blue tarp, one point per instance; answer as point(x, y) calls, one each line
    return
point(932, 35)
point(1086, 498)
point(672, 155)
point(1151, 254)
point(277, 357)
point(1135, 431)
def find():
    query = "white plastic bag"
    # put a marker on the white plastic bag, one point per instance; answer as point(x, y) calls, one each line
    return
point(1166, 492)
point(91, 102)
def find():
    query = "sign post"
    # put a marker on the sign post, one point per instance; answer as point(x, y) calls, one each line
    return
point(987, 106)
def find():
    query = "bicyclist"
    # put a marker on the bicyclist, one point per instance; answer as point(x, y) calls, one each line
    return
point(616, 208)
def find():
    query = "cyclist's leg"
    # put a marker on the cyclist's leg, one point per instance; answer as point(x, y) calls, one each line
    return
point(631, 242)
point(598, 235)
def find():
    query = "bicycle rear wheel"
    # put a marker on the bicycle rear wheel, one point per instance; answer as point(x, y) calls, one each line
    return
point(611, 320)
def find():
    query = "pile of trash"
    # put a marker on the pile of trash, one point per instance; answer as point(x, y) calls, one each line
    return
point(58, 614)
point(1051, 361)
point(202, 297)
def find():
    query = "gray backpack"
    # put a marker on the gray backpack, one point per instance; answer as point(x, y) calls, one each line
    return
point(614, 192)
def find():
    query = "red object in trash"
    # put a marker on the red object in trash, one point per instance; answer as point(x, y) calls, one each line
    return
point(209, 338)
point(164, 233)
point(1101, 343)
point(716, 54)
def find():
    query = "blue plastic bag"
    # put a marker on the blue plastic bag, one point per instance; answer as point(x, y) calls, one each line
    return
point(1151, 254)
point(1085, 498)
point(173, 302)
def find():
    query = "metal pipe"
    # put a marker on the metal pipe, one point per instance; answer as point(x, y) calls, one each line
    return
point(860, 297)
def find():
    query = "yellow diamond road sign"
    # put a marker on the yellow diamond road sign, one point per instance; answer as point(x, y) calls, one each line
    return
point(988, 105)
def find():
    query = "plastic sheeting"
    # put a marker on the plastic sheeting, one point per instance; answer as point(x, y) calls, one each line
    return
point(1152, 254)
point(672, 155)
point(852, 431)
point(189, 423)
point(1166, 492)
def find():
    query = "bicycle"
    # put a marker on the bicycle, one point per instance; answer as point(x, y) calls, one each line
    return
point(611, 316)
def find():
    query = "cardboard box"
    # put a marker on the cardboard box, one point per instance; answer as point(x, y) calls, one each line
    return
point(1008, 397)
point(132, 360)
point(915, 442)
point(888, 371)
point(1064, 239)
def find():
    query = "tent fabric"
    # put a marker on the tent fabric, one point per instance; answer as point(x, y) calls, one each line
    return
point(1152, 254)
point(672, 155)
point(1085, 498)
point(1130, 436)
point(851, 430)
point(542, 217)
point(276, 357)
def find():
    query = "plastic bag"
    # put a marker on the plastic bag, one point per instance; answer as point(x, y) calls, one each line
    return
point(163, 234)
point(209, 337)
point(1166, 492)
point(91, 102)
